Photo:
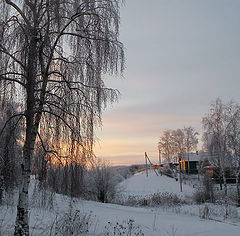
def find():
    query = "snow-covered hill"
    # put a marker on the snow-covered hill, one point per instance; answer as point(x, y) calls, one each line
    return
point(140, 184)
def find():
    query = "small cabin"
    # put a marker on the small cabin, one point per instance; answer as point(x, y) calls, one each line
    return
point(193, 159)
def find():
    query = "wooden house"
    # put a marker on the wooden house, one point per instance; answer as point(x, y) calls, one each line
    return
point(193, 160)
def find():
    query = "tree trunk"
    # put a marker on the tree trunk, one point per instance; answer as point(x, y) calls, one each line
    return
point(225, 183)
point(220, 182)
point(238, 188)
point(1, 189)
point(188, 159)
point(22, 220)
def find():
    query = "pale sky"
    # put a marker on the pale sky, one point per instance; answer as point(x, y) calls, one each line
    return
point(181, 55)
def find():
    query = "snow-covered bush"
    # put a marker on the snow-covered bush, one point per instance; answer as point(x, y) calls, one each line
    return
point(231, 196)
point(165, 198)
point(152, 200)
point(102, 182)
point(199, 196)
point(204, 212)
point(126, 228)
point(213, 211)
point(10, 197)
point(204, 193)
point(42, 197)
point(71, 223)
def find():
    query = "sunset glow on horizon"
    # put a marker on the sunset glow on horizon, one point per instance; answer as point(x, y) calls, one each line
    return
point(180, 58)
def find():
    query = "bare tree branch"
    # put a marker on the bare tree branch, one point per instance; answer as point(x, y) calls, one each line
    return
point(9, 119)
point(19, 11)
point(4, 78)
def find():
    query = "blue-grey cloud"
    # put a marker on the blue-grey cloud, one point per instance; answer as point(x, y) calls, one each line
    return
point(181, 55)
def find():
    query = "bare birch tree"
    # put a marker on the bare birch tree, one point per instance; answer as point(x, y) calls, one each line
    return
point(190, 140)
point(165, 145)
point(54, 54)
point(173, 142)
point(233, 117)
point(178, 138)
point(216, 125)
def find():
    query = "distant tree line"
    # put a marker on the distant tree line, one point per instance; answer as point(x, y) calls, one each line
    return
point(94, 180)
point(97, 181)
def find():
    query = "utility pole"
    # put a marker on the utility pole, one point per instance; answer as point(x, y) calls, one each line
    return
point(159, 156)
point(160, 161)
point(146, 164)
point(147, 159)
point(180, 174)
point(188, 157)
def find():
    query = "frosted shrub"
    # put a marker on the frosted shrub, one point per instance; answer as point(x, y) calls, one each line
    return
point(71, 224)
point(42, 197)
point(205, 192)
point(102, 182)
point(156, 199)
point(165, 198)
point(10, 197)
point(213, 211)
point(127, 228)
point(199, 196)
point(130, 201)
point(232, 196)
point(231, 212)
point(204, 212)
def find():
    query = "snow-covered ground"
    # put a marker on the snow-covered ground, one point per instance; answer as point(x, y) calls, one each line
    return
point(156, 222)
point(140, 184)
point(151, 221)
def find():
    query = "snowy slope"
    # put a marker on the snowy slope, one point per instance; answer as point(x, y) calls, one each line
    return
point(140, 184)
point(153, 222)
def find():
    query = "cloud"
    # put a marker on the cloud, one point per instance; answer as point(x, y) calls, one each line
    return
point(181, 55)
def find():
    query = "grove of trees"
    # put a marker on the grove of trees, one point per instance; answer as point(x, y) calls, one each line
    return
point(174, 142)
point(221, 138)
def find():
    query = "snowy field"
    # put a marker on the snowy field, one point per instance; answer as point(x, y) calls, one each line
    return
point(152, 222)
point(149, 221)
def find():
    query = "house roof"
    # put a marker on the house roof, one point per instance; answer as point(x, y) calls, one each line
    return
point(191, 156)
